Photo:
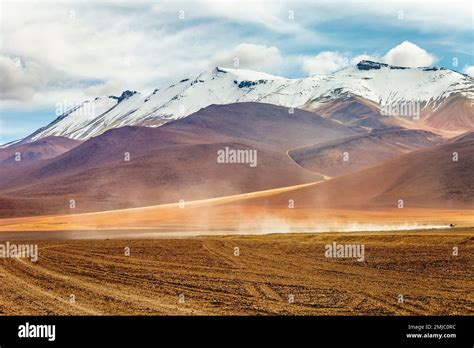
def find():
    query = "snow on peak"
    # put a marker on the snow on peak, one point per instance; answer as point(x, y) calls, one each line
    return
point(377, 82)
point(245, 74)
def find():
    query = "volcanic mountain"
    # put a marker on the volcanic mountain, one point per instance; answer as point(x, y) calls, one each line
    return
point(443, 96)
point(136, 166)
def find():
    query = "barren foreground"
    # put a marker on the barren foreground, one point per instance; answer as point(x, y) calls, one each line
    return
point(270, 274)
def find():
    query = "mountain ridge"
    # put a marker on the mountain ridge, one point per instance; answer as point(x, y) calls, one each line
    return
point(378, 83)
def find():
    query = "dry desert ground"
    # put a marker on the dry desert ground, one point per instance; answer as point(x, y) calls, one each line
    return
point(275, 274)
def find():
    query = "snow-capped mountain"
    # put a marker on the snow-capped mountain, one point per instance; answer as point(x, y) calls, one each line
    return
point(379, 83)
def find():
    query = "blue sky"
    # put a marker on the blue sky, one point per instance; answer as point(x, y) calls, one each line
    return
point(72, 52)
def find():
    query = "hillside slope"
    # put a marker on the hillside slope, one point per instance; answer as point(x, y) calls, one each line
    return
point(172, 162)
point(344, 156)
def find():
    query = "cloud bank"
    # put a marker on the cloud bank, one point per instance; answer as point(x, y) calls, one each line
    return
point(405, 54)
point(410, 55)
point(77, 50)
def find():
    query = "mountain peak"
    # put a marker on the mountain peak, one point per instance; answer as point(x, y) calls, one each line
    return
point(370, 65)
point(246, 74)
point(125, 95)
point(220, 70)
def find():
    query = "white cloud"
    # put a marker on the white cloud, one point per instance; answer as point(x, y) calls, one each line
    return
point(249, 56)
point(93, 47)
point(78, 48)
point(99, 47)
point(405, 54)
point(325, 63)
point(410, 55)
point(328, 62)
point(265, 14)
point(469, 70)
point(18, 81)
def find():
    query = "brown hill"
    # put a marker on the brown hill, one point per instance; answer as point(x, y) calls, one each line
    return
point(172, 162)
point(45, 148)
point(453, 117)
point(355, 112)
point(424, 178)
point(455, 114)
point(188, 172)
point(469, 135)
point(265, 125)
point(361, 151)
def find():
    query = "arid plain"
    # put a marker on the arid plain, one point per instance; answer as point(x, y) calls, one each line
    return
point(261, 267)
point(280, 274)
